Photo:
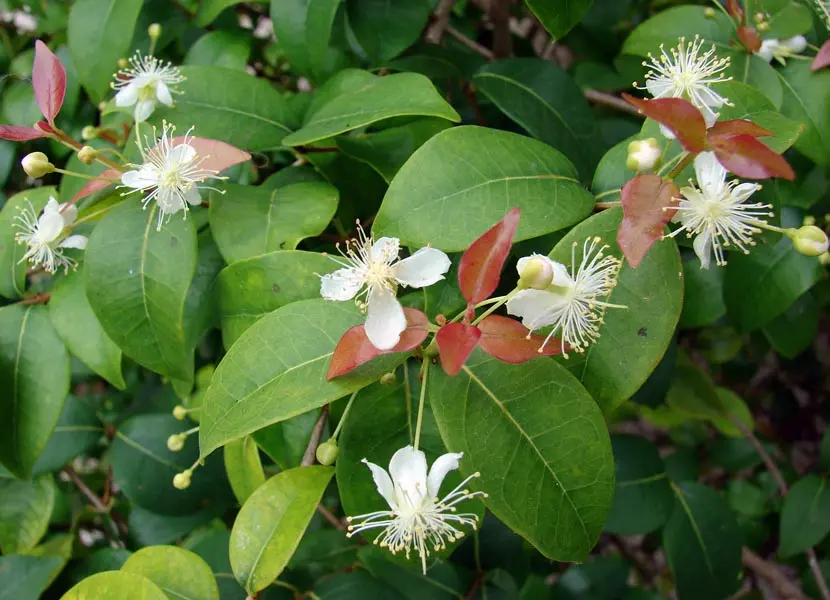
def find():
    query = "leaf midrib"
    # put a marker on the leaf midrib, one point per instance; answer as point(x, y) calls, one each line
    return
point(698, 535)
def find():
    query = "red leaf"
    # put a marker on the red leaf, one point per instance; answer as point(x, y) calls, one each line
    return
point(44, 127)
point(354, 348)
point(747, 157)
point(455, 343)
point(16, 133)
point(738, 127)
point(217, 155)
point(823, 57)
point(678, 115)
point(749, 38)
point(49, 81)
point(95, 185)
point(733, 7)
point(507, 340)
point(481, 264)
point(647, 203)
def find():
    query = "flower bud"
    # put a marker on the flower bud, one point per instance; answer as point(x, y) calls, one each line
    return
point(758, 17)
point(809, 220)
point(644, 155)
point(87, 155)
point(36, 164)
point(154, 31)
point(809, 240)
point(763, 26)
point(824, 259)
point(535, 271)
point(327, 452)
point(709, 12)
point(180, 412)
point(175, 442)
point(123, 63)
point(181, 481)
point(388, 379)
point(90, 132)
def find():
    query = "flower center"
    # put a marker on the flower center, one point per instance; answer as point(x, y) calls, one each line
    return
point(379, 274)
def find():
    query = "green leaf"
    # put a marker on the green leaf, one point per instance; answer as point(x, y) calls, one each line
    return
point(143, 467)
point(115, 584)
point(748, 103)
point(137, 279)
point(229, 49)
point(773, 276)
point(612, 173)
point(149, 529)
point(784, 17)
point(805, 516)
point(733, 407)
point(559, 16)
point(228, 105)
point(285, 442)
point(303, 28)
point(354, 586)
point(474, 188)
point(703, 295)
point(693, 393)
point(403, 94)
point(25, 510)
point(547, 103)
point(285, 503)
point(284, 355)
point(632, 340)
point(794, 330)
point(12, 271)
point(703, 544)
point(385, 28)
point(643, 498)
point(540, 444)
point(252, 288)
point(34, 376)
point(177, 572)
point(26, 577)
point(249, 221)
point(78, 429)
point(210, 9)
point(442, 582)
point(244, 468)
point(80, 330)
point(100, 32)
point(806, 93)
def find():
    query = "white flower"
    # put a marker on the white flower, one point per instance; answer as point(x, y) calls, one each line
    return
point(417, 520)
point(686, 73)
point(171, 172)
point(372, 269)
point(45, 237)
point(146, 82)
point(717, 213)
point(782, 50)
point(571, 304)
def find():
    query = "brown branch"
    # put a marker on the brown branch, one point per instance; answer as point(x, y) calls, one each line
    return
point(41, 298)
point(773, 575)
point(316, 433)
point(610, 100)
point(96, 503)
point(442, 18)
point(499, 12)
point(473, 45)
point(329, 516)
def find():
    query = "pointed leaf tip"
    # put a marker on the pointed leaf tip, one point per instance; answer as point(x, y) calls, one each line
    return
point(509, 341)
point(746, 157)
point(480, 268)
point(49, 81)
point(455, 343)
point(678, 115)
point(647, 203)
point(217, 155)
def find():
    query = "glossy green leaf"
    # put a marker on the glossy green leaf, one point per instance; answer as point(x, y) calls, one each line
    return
point(643, 498)
point(703, 295)
point(248, 221)
point(220, 49)
point(284, 355)
point(403, 94)
point(78, 429)
point(177, 572)
point(149, 529)
point(354, 586)
point(442, 581)
point(80, 330)
point(244, 468)
point(100, 32)
point(703, 544)
point(303, 28)
point(547, 103)
point(115, 584)
point(252, 288)
point(137, 279)
point(26, 577)
point(385, 28)
point(468, 189)
point(806, 93)
point(34, 374)
point(748, 103)
point(632, 340)
point(25, 510)
point(612, 173)
point(785, 18)
point(269, 526)
point(805, 517)
point(559, 16)
point(210, 9)
point(794, 330)
point(540, 444)
point(12, 271)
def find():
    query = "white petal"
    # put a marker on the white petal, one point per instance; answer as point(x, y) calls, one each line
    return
point(703, 249)
point(169, 202)
point(710, 117)
point(385, 320)
point(795, 44)
point(52, 207)
point(127, 95)
point(383, 483)
point(743, 191)
point(659, 87)
point(561, 277)
point(766, 50)
point(343, 284)
point(144, 108)
point(408, 469)
point(534, 307)
point(193, 197)
point(443, 465)
point(74, 241)
point(70, 213)
point(182, 153)
point(710, 173)
point(667, 133)
point(141, 179)
point(49, 227)
point(425, 267)
point(163, 94)
point(386, 249)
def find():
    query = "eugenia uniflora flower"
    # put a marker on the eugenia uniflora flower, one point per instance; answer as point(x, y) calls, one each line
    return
point(781, 50)
point(45, 236)
point(572, 305)
point(688, 72)
point(371, 270)
point(171, 173)
point(144, 83)
point(716, 213)
point(417, 520)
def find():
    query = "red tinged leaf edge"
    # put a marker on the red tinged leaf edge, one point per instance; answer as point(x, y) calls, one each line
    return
point(746, 157)
point(355, 349)
point(96, 184)
point(509, 341)
point(647, 203)
point(216, 155)
point(737, 127)
point(678, 115)
point(49, 81)
point(480, 268)
point(15, 133)
point(749, 38)
point(455, 343)
point(822, 58)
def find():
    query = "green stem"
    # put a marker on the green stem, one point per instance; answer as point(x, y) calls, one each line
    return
point(460, 315)
point(343, 418)
point(420, 420)
point(495, 306)
point(685, 162)
point(83, 176)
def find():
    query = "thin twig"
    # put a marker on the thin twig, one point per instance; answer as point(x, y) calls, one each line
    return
point(96, 503)
point(773, 575)
point(41, 298)
point(329, 516)
point(442, 17)
point(316, 434)
point(610, 100)
point(471, 44)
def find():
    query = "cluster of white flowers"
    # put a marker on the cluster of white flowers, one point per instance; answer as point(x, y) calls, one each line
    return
point(46, 235)
point(144, 83)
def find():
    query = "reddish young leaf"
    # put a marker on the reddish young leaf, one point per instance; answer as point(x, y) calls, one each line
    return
point(823, 57)
point(749, 38)
point(733, 7)
point(508, 340)
point(15, 133)
point(95, 185)
point(217, 155)
point(647, 203)
point(737, 127)
point(678, 115)
point(44, 127)
point(49, 81)
point(354, 348)
point(455, 343)
point(480, 267)
point(747, 157)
